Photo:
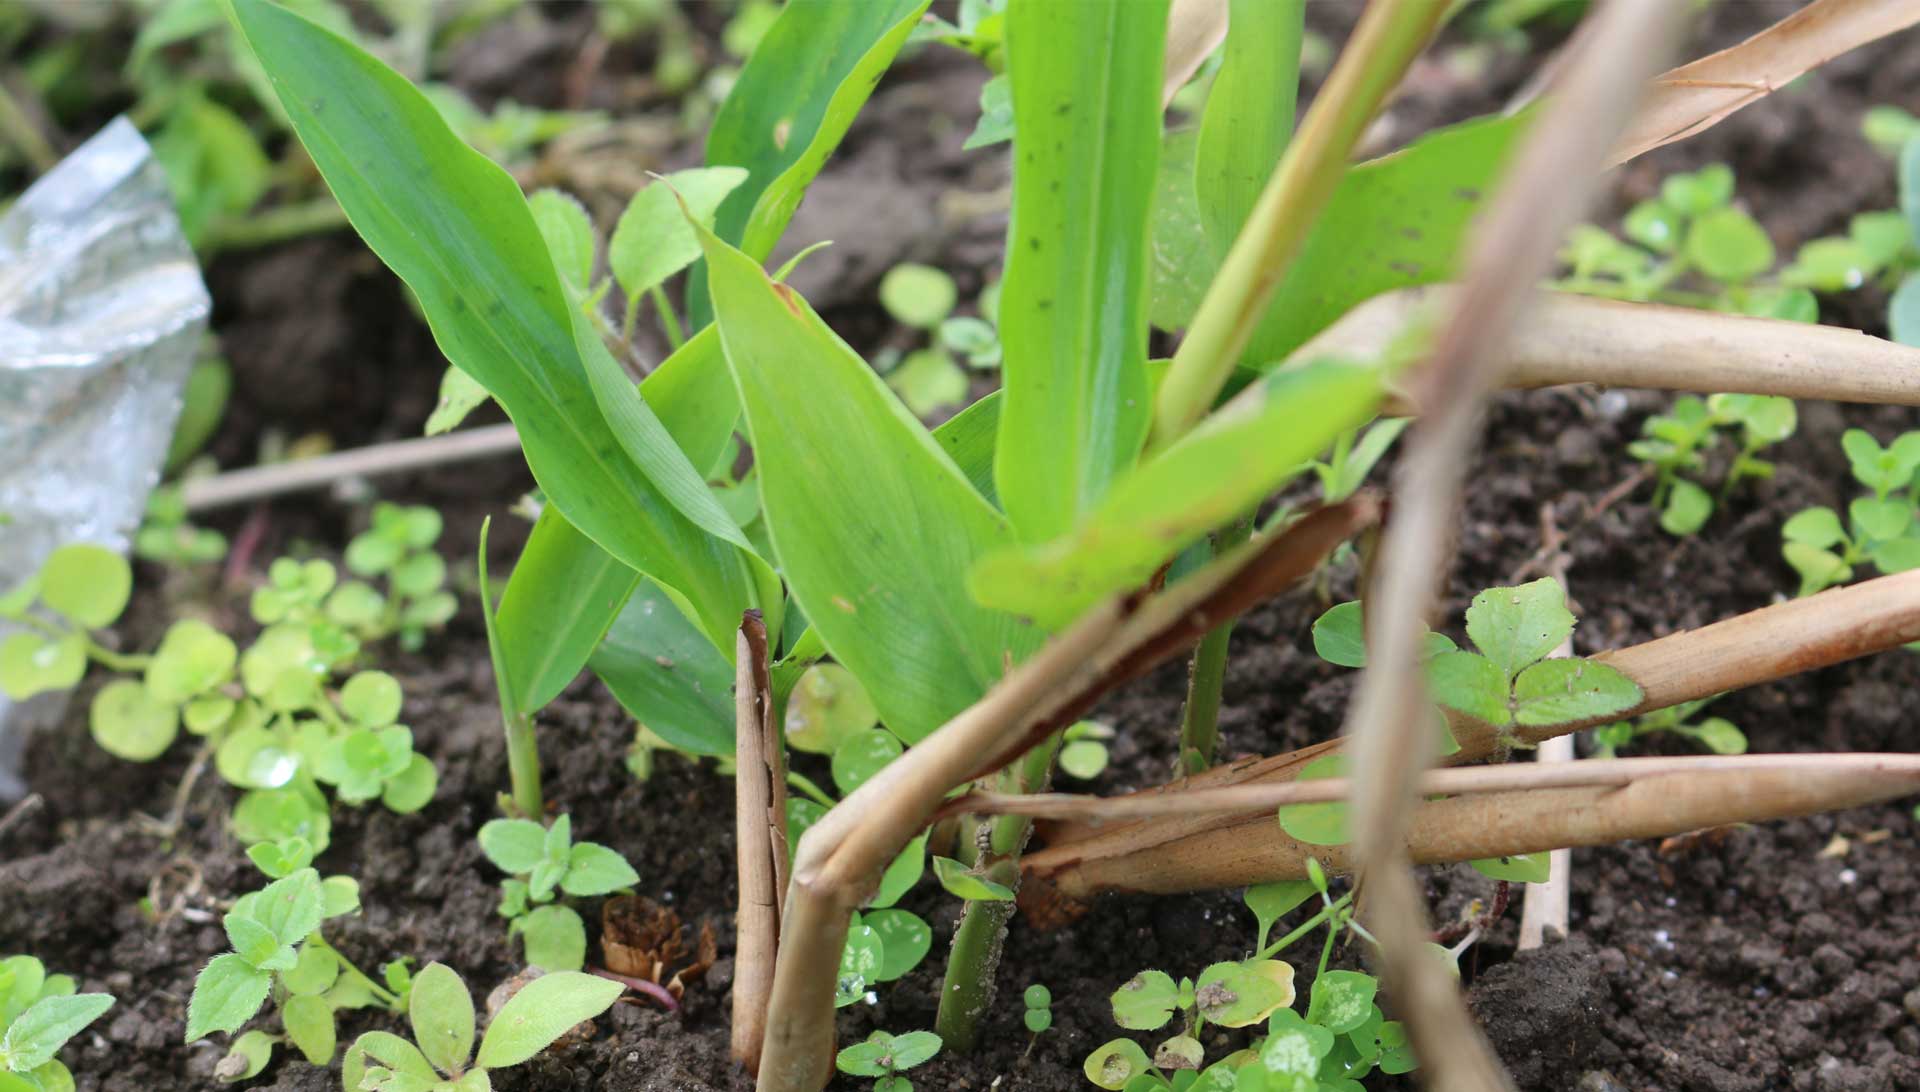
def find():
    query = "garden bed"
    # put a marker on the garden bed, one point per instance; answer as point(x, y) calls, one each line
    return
point(1785, 956)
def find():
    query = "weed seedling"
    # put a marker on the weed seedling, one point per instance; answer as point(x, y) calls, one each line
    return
point(1880, 529)
point(278, 953)
point(39, 1012)
point(441, 1057)
point(1675, 444)
point(165, 535)
point(922, 298)
point(543, 863)
point(1083, 749)
point(1039, 1014)
point(399, 547)
point(883, 1057)
point(1716, 734)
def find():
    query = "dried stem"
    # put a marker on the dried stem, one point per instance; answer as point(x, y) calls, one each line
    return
point(254, 482)
point(1195, 28)
point(761, 854)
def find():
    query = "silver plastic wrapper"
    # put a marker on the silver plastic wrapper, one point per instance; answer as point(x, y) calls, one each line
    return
point(101, 313)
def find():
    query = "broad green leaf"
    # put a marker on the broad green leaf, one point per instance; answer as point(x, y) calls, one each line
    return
point(827, 707)
point(1183, 262)
point(872, 567)
point(593, 869)
point(1896, 556)
point(914, 1048)
point(556, 938)
point(540, 1012)
point(968, 439)
point(31, 664)
point(1223, 467)
point(568, 231)
point(1339, 637)
point(388, 1051)
point(225, 995)
point(1721, 736)
point(313, 973)
point(861, 961)
point(1146, 1001)
point(667, 674)
point(309, 1023)
point(36, 1034)
point(1341, 1000)
point(412, 788)
point(906, 940)
point(652, 240)
point(1272, 901)
point(460, 395)
point(1559, 691)
point(1393, 222)
point(248, 1055)
point(792, 102)
point(1114, 1064)
point(88, 584)
point(129, 723)
point(1687, 509)
point(865, 1059)
point(192, 658)
point(1516, 868)
point(1817, 568)
point(1878, 520)
point(1728, 246)
point(292, 906)
point(962, 883)
point(1073, 318)
point(902, 873)
point(1249, 114)
point(1469, 683)
point(254, 942)
point(1816, 527)
point(918, 295)
point(1294, 1047)
point(1321, 824)
point(1513, 627)
point(441, 1012)
point(861, 756)
point(563, 594)
point(1236, 995)
point(454, 226)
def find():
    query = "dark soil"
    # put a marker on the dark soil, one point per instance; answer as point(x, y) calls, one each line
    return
point(1783, 957)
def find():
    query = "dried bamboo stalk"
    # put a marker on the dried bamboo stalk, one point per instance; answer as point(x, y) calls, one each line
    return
point(840, 858)
point(1699, 95)
point(1579, 339)
point(760, 859)
point(1746, 650)
point(1195, 28)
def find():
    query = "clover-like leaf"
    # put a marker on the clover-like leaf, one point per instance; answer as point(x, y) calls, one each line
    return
point(1272, 901)
point(313, 973)
point(1239, 994)
point(862, 755)
point(1146, 1001)
point(1513, 627)
point(128, 722)
point(1113, 1064)
point(371, 699)
point(1816, 527)
point(861, 960)
point(593, 869)
point(917, 295)
point(513, 845)
point(1294, 1046)
point(556, 938)
point(914, 1048)
point(1341, 1000)
point(387, 1051)
point(88, 584)
point(1564, 690)
point(309, 1024)
point(828, 707)
point(902, 873)
point(905, 939)
point(31, 663)
point(1470, 684)
point(192, 659)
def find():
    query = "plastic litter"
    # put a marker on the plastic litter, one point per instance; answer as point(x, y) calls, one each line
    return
point(101, 312)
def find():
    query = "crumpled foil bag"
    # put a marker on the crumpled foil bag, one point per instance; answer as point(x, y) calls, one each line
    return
point(102, 310)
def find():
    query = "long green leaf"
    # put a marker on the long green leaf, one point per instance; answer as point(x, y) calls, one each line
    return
point(871, 520)
point(564, 593)
point(1249, 114)
point(1220, 469)
point(1395, 221)
point(455, 227)
point(968, 438)
point(667, 675)
point(1073, 316)
point(793, 101)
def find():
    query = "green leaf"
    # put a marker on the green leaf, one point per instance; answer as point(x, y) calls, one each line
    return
point(1687, 509)
point(1341, 1000)
point(556, 938)
point(1294, 1047)
point(37, 1034)
point(371, 699)
point(914, 1048)
point(1728, 246)
point(1878, 520)
point(1903, 311)
point(1816, 527)
point(666, 673)
point(866, 1059)
point(268, 815)
point(278, 859)
point(32, 664)
point(1235, 994)
point(1073, 321)
point(129, 723)
point(1817, 568)
point(917, 295)
point(652, 240)
point(253, 941)
point(1565, 690)
point(292, 907)
point(1694, 193)
point(1470, 684)
point(1220, 469)
point(871, 568)
point(1084, 759)
point(1183, 260)
point(962, 883)
point(1272, 901)
point(827, 708)
point(1249, 114)
point(569, 235)
point(88, 584)
point(1146, 1001)
point(1513, 627)
point(860, 963)
point(861, 756)
point(412, 788)
point(792, 102)
point(313, 973)
point(455, 228)
point(1721, 736)
point(593, 869)
point(1112, 1065)
point(460, 394)
point(1654, 224)
point(562, 595)
point(389, 1051)
point(1393, 222)
point(905, 938)
point(1516, 868)
point(441, 1011)
point(309, 1023)
point(193, 658)
point(1896, 556)
point(339, 895)
point(1323, 824)
point(248, 1055)
point(225, 995)
point(968, 439)
point(927, 381)
point(902, 873)
point(996, 114)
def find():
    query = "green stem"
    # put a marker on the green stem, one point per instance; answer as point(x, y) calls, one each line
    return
point(1304, 928)
point(805, 784)
point(275, 225)
point(1200, 723)
point(523, 764)
point(1390, 34)
point(119, 661)
point(967, 991)
point(380, 993)
point(21, 132)
point(668, 320)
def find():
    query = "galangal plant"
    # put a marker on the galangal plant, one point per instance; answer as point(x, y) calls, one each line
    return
point(986, 582)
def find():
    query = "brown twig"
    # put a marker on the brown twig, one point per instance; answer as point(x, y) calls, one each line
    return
point(761, 858)
point(28, 804)
point(255, 482)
